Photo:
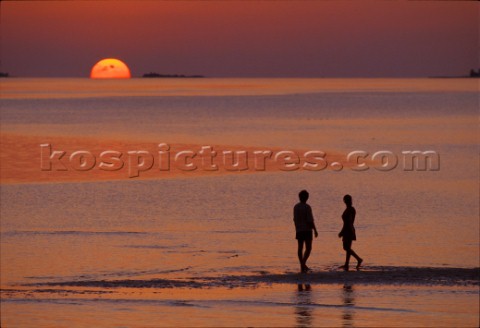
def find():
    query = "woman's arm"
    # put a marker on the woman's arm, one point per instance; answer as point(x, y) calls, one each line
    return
point(315, 229)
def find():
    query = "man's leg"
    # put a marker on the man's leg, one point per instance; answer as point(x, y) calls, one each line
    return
point(308, 250)
point(300, 253)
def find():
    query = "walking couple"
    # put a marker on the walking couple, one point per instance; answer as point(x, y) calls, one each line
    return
point(304, 224)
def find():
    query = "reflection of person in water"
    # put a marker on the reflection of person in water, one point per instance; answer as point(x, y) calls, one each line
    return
point(303, 312)
point(348, 233)
point(348, 302)
point(304, 224)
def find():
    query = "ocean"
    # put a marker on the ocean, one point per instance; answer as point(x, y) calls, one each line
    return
point(217, 247)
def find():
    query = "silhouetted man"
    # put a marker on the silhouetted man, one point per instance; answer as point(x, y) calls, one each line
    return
point(304, 224)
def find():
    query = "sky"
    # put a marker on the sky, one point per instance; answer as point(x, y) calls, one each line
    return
point(242, 38)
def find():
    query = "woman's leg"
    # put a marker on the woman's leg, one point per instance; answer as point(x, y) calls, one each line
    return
point(358, 258)
point(347, 244)
point(347, 259)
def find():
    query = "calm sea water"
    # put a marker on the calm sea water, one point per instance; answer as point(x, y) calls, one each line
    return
point(236, 225)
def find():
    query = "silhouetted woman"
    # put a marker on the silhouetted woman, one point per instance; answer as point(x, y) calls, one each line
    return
point(348, 232)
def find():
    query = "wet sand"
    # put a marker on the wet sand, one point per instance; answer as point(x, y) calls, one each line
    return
point(267, 300)
point(379, 275)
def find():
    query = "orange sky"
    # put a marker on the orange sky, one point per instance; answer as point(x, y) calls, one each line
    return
point(242, 38)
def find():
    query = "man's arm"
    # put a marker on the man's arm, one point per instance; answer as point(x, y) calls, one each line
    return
point(313, 223)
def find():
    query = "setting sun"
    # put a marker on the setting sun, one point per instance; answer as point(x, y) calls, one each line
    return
point(110, 68)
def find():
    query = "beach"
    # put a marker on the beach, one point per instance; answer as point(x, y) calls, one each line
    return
point(176, 240)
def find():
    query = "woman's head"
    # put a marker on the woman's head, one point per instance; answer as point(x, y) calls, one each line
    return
point(347, 199)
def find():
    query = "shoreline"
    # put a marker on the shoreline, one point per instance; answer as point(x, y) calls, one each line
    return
point(372, 275)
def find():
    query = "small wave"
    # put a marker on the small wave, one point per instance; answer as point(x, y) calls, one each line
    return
point(311, 305)
point(190, 303)
point(70, 232)
point(233, 231)
point(121, 301)
point(156, 246)
point(10, 292)
point(93, 277)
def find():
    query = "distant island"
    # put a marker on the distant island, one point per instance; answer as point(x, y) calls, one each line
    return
point(473, 73)
point(156, 75)
point(3, 74)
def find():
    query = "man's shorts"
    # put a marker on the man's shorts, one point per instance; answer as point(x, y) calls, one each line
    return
point(304, 235)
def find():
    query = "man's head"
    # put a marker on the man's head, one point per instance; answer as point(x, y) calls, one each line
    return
point(303, 196)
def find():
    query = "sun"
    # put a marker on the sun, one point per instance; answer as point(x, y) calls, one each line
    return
point(110, 68)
